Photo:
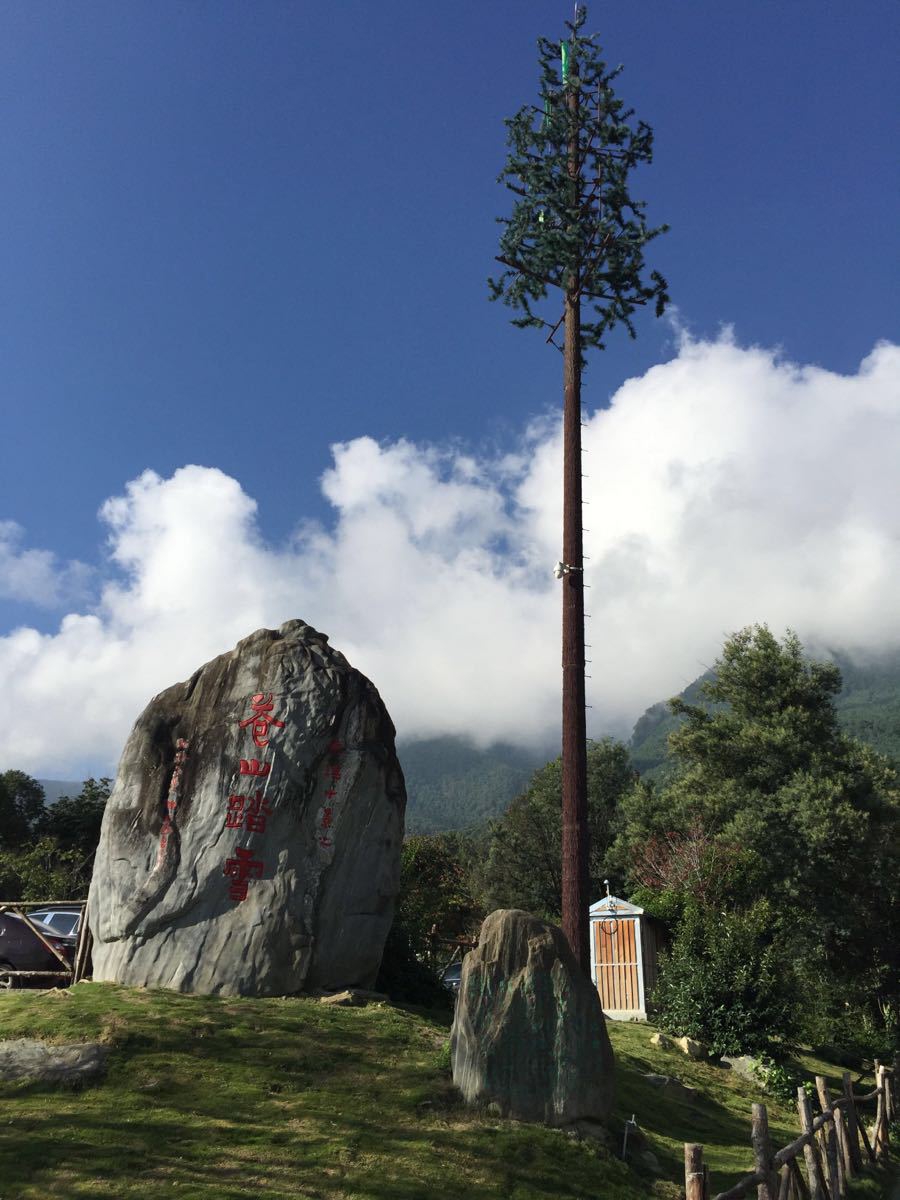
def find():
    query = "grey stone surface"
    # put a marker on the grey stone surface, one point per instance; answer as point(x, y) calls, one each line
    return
point(744, 1065)
point(72, 1063)
point(662, 1041)
point(528, 1035)
point(672, 1087)
point(251, 845)
point(649, 1162)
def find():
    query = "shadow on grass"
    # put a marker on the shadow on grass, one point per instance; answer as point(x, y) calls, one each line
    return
point(213, 1098)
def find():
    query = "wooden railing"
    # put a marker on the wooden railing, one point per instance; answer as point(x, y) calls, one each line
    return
point(66, 972)
point(834, 1146)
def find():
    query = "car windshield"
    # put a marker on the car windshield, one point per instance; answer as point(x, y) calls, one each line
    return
point(62, 922)
point(41, 926)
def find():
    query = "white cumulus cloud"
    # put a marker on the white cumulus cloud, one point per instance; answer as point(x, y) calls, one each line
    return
point(724, 487)
point(37, 576)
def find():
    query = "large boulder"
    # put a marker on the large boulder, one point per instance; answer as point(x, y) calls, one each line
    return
point(529, 1036)
point(251, 844)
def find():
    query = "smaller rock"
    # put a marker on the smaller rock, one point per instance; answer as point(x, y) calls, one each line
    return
point(742, 1064)
point(673, 1087)
point(663, 1041)
point(72, 1063)
point(691, 1048)
point(352, 998)
point(649, 1161)
point(528, 1033)
point(593, 1130)
point(338, 999)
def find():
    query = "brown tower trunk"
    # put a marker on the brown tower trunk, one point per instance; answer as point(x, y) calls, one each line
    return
point(575, 900)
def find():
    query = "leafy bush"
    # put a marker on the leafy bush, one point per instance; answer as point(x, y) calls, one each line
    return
point(726, 981)
point(778, 1080)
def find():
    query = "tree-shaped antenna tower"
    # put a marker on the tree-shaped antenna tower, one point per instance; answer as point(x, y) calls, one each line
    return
point(575, 228)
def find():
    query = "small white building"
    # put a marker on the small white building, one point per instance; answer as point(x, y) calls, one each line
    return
point(624, 948)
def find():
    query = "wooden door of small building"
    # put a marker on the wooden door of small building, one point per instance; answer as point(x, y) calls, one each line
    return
point(617, 957)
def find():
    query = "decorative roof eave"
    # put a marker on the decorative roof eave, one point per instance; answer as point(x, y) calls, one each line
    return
point(610, 905)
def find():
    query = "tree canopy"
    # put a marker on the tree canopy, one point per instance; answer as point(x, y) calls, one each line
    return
point(522, 866)
point(575, 225)
point(772, 801)
point(48, 852)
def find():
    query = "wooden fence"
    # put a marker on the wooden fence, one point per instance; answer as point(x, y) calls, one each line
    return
point(66, 972)
point(439, 948)
point(835, 1146)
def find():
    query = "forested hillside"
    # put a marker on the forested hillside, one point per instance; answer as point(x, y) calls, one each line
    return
point(868, 707)
point(451, 784)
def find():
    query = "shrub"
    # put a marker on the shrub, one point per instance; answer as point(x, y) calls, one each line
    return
point(726, 981)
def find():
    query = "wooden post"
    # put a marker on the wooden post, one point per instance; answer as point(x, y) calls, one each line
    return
point(762, 1153)
point(799, 1182)
point(852, 1126)
point(880, 1134)
point(82, 949)
point(784, 1185)
point(864, 1138)
point(694, 1174)
point(890, 1109)
point(810, 1153)
point(829, 1140)
point(846, 1165)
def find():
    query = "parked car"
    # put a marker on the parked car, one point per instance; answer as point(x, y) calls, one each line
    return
point(451, 976)
point(22, 950)
point(61, 918)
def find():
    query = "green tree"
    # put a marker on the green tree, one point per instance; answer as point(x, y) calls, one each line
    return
point(74, 821)
point(796, 811)
point(522, 867)
point(728, 981)
point(51, 853)
point(435, 889)
point(576, 230)
point(43, 871)
point(21, 807)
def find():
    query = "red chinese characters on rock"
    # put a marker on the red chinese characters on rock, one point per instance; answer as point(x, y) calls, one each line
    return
point(241, 868)
point(254, 767)
point(181, 753)
point(332, 776)
point(250, 812)
point(261, 719)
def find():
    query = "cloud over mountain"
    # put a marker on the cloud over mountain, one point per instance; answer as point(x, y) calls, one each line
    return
point(726, 486)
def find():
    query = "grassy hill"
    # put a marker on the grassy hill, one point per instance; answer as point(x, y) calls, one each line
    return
point(212, 1098)
point(868, 707)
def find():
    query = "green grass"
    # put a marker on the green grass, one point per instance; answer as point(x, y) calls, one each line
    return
point(222, 1098)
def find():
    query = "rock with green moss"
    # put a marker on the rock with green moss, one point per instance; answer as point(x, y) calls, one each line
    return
point(529, 1036)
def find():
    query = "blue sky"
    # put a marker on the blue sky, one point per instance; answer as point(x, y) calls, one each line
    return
point(236, 234)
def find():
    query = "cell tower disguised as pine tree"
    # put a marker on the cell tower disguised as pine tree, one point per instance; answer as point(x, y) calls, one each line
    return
point(575, 228)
